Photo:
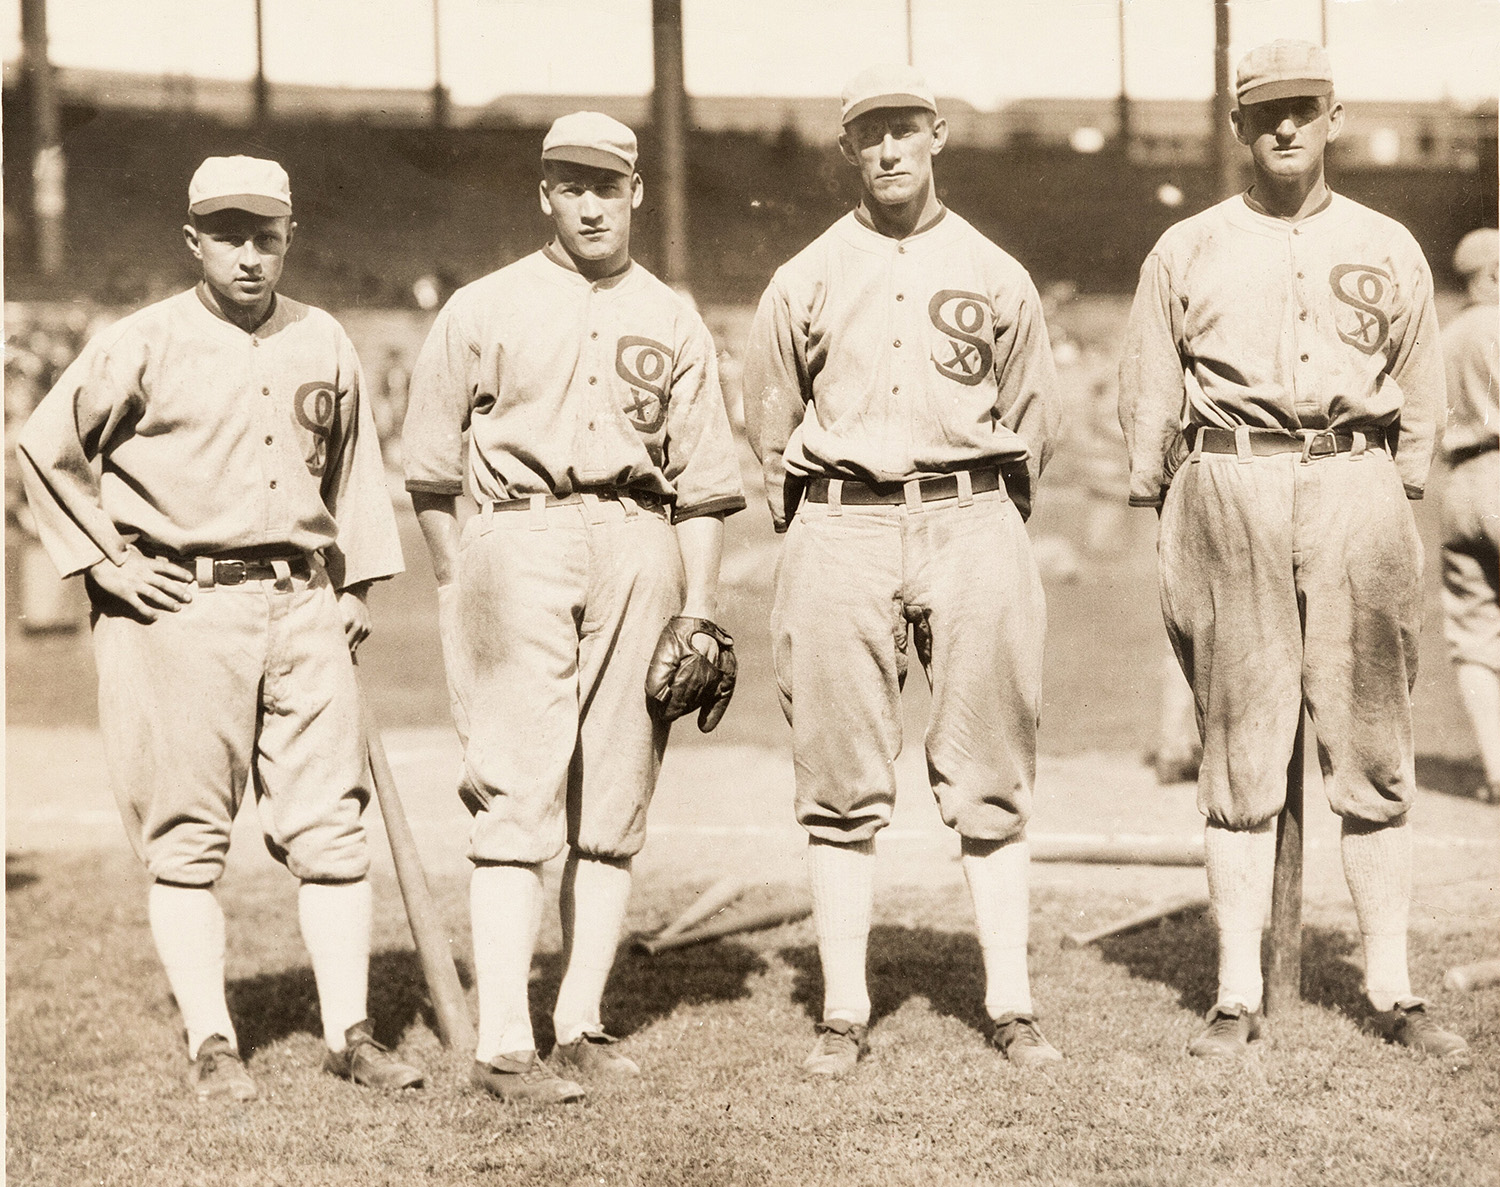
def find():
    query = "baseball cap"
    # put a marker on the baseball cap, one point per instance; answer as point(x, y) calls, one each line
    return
point(240, 183)
point(591, 138)
point(1475, 250)
point(1281, 70)
point(886, 85)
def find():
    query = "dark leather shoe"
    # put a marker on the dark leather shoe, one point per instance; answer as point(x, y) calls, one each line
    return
point(1021, 1041)
point(218, 1072)
point(522, 1077)
point(1409, 1026)
point(1230, 1031)
point(840, 1046)
point(367, 1063)
point(592, 1056)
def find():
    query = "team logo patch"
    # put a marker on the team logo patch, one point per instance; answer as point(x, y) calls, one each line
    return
point(645, 365)
point(1363, 288)
point(967, 354)
point(313, 406)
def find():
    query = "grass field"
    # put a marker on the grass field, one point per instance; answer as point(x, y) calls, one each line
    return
point(94, 1056)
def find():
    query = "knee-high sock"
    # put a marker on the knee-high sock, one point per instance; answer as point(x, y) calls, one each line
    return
point(843, 891)
point(505, 909)
point(188, 927)
point(1480, 687)
point(1377, 865)
point(335, 919)
point(999, 884)
point(1241, 867)
point(592, 902)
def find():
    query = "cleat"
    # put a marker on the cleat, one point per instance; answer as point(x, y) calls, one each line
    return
point(590, 1057)
point(840, 1046)
point(368, 1063)
point(1409, 1026)
point(1019, 1039)
point(218, 1072)
point(1230, 1031)
point(521, 1077)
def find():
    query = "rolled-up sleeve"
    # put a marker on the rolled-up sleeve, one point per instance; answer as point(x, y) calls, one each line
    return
point(1417, 366)
point(699, 459)
point(777, 388)
point(1026, 400)
point(368, 545)
point(1152, 389)
point(60, 448)
point(440, 401)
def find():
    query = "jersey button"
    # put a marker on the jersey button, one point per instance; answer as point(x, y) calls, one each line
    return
point(595, 334)
point(896, 390)
point(593, 379)
point(255, 342)
point(265, 391)
point(268, 440)
point(897, 343)
point(1302, 316)
point(1304, 358)
point(901, 247)
point(900, 296)
point(273, 484)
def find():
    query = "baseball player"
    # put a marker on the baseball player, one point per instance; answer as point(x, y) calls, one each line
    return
point(601, 465)
point(1281, 394)
point(900, 393)
point(210, 464)
point(1471, 501)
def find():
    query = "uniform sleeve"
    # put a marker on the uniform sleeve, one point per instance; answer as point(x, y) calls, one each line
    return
point(1152, 389)
point(777, 387)
point(1417, 367)
point(440, 400)
point(61, 448)
point(1027, 400)
point(700, 460)
point(367, 546)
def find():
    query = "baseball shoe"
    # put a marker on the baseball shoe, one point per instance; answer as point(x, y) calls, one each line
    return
point(521, 1077)
point(1489, 793)
point(839, 1047)
point(368, 1063)
point(1020, 1040)
point(1230, 1031)
point(219, 1073)
point(591, 1057)
point(1409, 1026)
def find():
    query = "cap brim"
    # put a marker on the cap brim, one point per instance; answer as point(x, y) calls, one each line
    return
point(1286, 88)
point(594, 158)
point(253, 203)
point(894, 99)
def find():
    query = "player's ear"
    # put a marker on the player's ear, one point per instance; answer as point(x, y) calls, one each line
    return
point(291, 229)
point(1335, 119)
point(939, 134)
point(1237, 122)
point(546, 201)
point(846, 146)
point(190, 233)
point(637, 191)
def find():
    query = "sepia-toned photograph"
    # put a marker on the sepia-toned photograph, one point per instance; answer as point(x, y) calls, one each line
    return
point(853, 592)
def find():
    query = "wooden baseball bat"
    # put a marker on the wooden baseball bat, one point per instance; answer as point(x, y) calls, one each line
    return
point(455, 1026)
point(716, 898)
point(1284, 962)
point(1124, 850)
point(1147, 914)
point(787, 910)
point(1467, 977)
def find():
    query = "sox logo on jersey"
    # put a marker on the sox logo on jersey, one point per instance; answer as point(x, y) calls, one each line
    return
point(959, 316)
point(1362, 287)
point(644, 364)
point(313, 407)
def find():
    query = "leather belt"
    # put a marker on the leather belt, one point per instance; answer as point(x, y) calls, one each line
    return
point(645, 498)
point(233, 570)
point(1265, 442)
point(867, 494)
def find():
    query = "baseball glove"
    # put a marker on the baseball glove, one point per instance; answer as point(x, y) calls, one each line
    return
point(680, 678)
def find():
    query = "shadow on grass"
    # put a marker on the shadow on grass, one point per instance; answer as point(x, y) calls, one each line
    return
point(274, 1006)
point(942, 967)
point(643, 989)
point(1451, 776)
point(1182, 953)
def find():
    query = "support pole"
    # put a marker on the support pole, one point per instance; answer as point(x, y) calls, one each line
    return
point(1284, 966)
point(48, 166)
point(1223, 148)
point(1122, 100)
point(262, 93)
point(669, 115)
point(439, 91)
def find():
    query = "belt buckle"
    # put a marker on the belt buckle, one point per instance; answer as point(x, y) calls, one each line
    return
point(229, 572)
point(1328, 448)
